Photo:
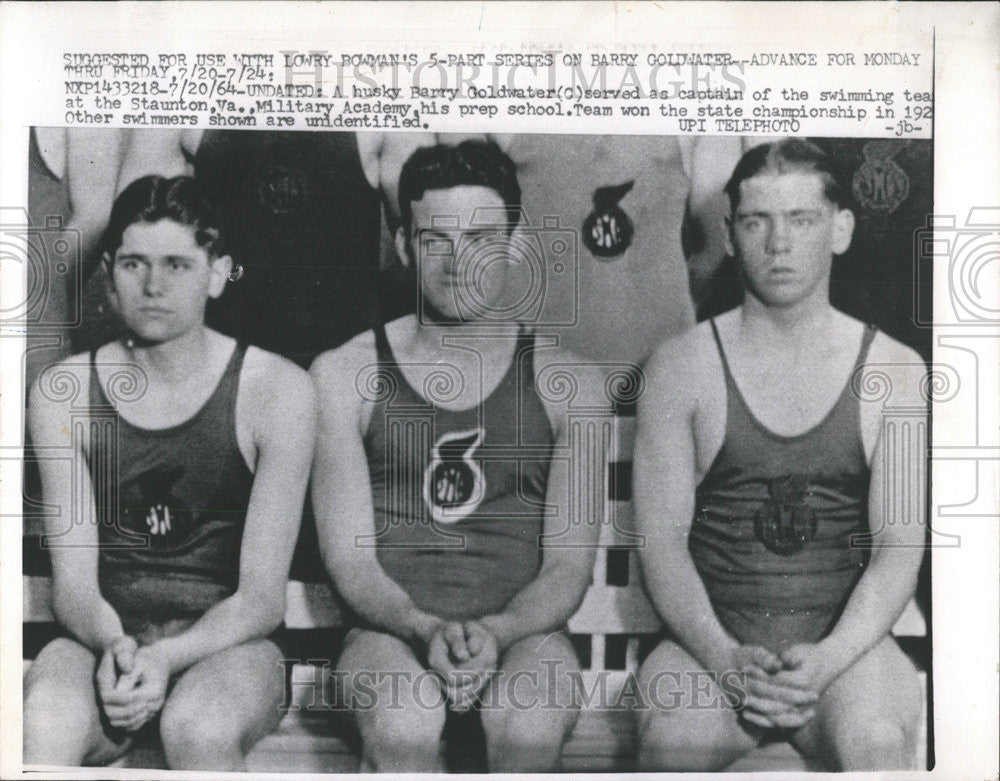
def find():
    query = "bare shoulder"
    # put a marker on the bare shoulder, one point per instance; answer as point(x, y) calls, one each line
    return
point(686, 362)
point(548, 359)
point(333, 366)
point(274, 383)
point(565, 378)
point(894, 373)
point(63, 383)
point(58, 390)
point(345, 378)
point(884, 347)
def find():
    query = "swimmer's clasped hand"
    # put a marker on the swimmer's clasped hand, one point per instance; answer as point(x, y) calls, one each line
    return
point(465, 654)
point(132, 683)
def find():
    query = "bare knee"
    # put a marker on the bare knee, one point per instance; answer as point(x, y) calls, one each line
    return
point(880, 744)
point(685, 722)
point(60, 711)
point(193, 742)
point(530, 707)
point(399, 707)
point(62, 662)
point(404, 739)
point(527, 741)
point(681, 741)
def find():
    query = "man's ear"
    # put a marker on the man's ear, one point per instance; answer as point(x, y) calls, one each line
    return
point(403, 246)
point(728, 233)
point(221, 267)
point(843, 231)
point(109, 267)
point(109, 280)
point(109, 272)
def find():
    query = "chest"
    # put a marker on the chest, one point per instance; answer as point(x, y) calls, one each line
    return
point(164, 407)
point(792, 391)
point(458, 380)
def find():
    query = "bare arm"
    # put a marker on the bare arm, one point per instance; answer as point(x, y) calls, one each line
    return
point(342, 500)
point(664, 492)
point(571, 534)
point(93, 157)
point(156, 152)
point(394, 152)
point(896, 507)
point(710, 161)
point(284, 432)
point(71, 529)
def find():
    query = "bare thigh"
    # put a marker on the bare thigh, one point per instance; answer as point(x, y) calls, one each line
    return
point(226, 702)
point(399, 705)
point(529, 708)
point(63, 720)
point(687, 722)
point(868, 718)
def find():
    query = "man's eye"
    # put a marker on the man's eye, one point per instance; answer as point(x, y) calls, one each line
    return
point(751, 224)
point(128, 265)
point(177, 265)
point(802, 221)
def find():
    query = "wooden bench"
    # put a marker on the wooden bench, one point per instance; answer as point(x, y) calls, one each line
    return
point(613, 629)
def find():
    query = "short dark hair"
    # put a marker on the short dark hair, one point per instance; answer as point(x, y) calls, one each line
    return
point(787, 156)
point(154, 198)
point(475, 163)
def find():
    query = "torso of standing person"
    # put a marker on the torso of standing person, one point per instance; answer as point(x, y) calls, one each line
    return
point(621, 285)
point(303, 219)
point(599, 256)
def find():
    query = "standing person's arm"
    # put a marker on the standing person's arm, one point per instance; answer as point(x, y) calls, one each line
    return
point(93, 158)
point(157, 153)
point(342, 498)
point(709, 161)
point(671, 425)
point(394, 151)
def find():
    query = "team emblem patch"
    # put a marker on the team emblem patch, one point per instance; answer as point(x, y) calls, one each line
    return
point(880, 184)
point(164, 517)
point(454, 484)
point(608, 231)
point(786, 522)
point(280, 190)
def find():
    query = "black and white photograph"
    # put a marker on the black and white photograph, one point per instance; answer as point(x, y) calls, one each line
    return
point(459, 423)
point(462, 448)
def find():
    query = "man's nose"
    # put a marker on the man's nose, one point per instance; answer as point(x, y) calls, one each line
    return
point(778, 236)
point(155, 281)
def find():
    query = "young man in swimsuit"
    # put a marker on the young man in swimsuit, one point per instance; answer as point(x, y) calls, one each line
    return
point(761, 468)
point(171, 549)
point(442, 485)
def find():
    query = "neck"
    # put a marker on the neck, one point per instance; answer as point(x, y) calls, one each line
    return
point(799, 320)
point(484, 338)
point(431, 326)
point(172, 361)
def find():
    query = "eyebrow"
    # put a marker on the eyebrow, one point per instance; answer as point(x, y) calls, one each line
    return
point(789, 213)
point(145, 258)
